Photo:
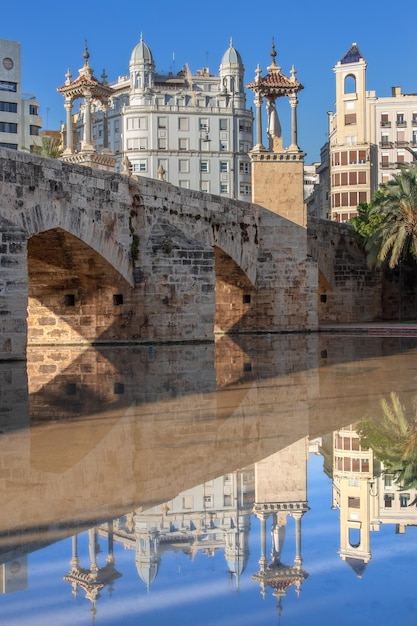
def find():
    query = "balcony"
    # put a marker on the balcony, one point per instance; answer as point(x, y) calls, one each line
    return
point(386, 144)
point(401, 124)
point(402, 144)
point(385, 124)
point(387, 165)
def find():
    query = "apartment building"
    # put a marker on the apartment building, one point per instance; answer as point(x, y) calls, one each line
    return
point(370, 139)
point(20, 121)
point(190, 129)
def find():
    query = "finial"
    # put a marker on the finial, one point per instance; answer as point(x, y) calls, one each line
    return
point(293, 73)
point(273, 52)
point(231, 41)
point(104, 77)
point(141, 38)
point(68, 77)
point(258, 73)
point(86, 54)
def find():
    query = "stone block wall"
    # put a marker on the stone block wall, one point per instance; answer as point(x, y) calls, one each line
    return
point(348, 291)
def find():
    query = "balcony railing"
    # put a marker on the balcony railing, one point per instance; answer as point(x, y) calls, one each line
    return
point(386, 144)
point(385, 124)
point(401, 144)
point(401, 124)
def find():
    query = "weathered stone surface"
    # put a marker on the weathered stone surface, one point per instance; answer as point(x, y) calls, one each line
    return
point(98, 257)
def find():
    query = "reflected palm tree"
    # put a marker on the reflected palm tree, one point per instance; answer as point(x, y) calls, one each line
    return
point(393, 440)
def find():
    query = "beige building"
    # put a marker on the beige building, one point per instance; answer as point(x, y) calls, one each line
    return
point(20, 121)
point(370, 139)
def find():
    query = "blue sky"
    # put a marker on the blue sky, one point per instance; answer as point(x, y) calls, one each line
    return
point(312, 36)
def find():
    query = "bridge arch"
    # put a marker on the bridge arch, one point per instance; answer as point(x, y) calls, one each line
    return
point(74, 294)
point(60, 214)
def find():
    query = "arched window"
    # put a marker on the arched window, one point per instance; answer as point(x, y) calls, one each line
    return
point(354, 537)
point(350, 84)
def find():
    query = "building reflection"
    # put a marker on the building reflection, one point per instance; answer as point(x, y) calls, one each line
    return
point(210, 517)
point(93, 579)
point(280, 493)
point(366, 495)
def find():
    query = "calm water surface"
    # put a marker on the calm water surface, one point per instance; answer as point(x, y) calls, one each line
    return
point(212, 484)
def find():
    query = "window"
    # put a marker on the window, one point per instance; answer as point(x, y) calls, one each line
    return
point(183, 165)
point(8, 107)
point(188, 502)
point(33, 109)
point(183, 143)
point(8, 127)
point(223, 124)
point(162, 122)
point(204, 125)
point(162, 143)
point(224, 188)
point(387, 480)
point(205, 186)
point(245, 127)
point(204, 166)
point(388, 498)
point(185, 184)
point(400, 118)
point(135, 123)
point(350, 139)
point(384, 139)
point(244, 167)
point(245, 190)
point(350, 84)
point(118, 299)
point(227, 500)
point(384, 120)
point(224, 166)
point(140, 166)
point(34, 130)
point(354, 503)
point(11, 146)
point(353, 178)
point(183, 123)
point(137, 143)
point(6, 85)
point(404, 499)
point(208, 501)
point(350, 118)
point(223, 146)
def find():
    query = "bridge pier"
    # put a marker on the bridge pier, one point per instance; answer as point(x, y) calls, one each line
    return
point(13, 291)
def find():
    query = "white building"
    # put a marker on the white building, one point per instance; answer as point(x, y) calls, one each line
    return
point(192, 130)
point(20, 122)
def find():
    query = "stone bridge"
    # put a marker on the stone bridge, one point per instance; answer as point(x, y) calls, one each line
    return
point(94, 257)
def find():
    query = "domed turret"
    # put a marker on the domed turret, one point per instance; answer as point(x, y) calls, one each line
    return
point(141, 68)
point(141, 54)
point(231, 71)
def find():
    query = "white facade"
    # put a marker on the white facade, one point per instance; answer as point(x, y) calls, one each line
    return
point(192, 130)
point(20, 122)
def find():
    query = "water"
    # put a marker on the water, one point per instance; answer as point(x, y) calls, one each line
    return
point(210, 484)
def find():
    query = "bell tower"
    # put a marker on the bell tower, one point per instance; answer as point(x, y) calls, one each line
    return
point(277, 172)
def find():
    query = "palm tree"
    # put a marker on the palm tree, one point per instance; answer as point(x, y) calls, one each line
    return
point(395, 236)
point(49, 147)
point(393, 440)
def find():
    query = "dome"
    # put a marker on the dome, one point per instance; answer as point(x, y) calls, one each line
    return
point(141, 54)
point(232, 56)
